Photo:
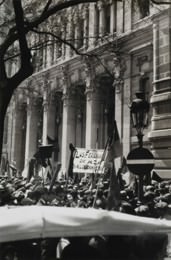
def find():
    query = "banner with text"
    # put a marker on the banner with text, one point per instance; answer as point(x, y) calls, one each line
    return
point(88, 161)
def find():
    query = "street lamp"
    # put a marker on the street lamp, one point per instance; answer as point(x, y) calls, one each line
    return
point(139, 110)
point(139, 115)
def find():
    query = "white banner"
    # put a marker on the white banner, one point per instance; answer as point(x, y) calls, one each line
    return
point(88, 161)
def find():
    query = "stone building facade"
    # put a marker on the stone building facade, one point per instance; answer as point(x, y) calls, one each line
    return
point(74, 98)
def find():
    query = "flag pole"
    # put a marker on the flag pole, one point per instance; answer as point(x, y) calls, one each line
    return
point(114, 190)
point(102, 158)
point(114, 151)
point(55, 176)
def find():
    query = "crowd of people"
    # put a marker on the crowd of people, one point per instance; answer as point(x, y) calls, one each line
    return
point(85, 192)
point(123, 247)
point(88, 191)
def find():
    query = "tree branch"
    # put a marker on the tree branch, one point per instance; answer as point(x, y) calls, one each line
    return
point(46, 7)
point(58, 7)
point(60, 40)
point(3, 1)
point(26, 68)
point(3, 75)
point(75, 49)
point(19, 19)
point(160, 2)
point(13, 35)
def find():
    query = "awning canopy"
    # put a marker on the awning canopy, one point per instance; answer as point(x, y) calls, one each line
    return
point(30, 222)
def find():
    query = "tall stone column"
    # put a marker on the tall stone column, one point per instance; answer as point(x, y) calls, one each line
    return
point(44, 53)
point(18, 136)
point(119, 16)
point(49, 51)
point(127, 9)
point(63, 37)
point(28, 126)
point(46, 90)
point(45, 118)
point(160, 135)
point(10, 129)
point(68, 122)
point(51, 117)
point(69, 33)
point(33, 114)
point(112, 16)
point(93, 108)
point(93, 24)
point(77, 32)
point(101, 18)
point(92, 118)
point(57, 45)
point(86, 25)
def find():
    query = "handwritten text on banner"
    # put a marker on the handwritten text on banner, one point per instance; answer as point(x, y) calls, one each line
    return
point(88, 161)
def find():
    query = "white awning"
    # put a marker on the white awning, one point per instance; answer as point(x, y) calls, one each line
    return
point(28, 222)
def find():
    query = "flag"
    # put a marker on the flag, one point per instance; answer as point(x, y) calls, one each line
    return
point(113, 150)
point(125, 177)
point(49, 169)
point(113, 200)
point(114, 147)
point(156, 177)
point(117, 147)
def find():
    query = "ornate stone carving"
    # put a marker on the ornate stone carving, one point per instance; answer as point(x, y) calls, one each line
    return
point(100, 5)
point(65, 79)
point(118, 73)
point(90, 75)
point(68, 90)
point(85, 11)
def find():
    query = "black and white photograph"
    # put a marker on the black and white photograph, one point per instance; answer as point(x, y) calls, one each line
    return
point(85, 129)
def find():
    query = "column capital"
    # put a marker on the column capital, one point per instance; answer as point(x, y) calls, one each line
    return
point(87, 64)
point(45, 104)
point(46, 84)
point(33, 101)
point(89, 75)
point(118, 73)
point(70, 17)
point(155, 26)
point(100, 5)
point(68, 95)
point(85, 11)
point(65, 78)
point(76, 19)
point(20, 106)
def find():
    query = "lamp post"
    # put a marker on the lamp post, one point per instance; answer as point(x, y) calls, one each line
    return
point(139, 110)
point(139, 115)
